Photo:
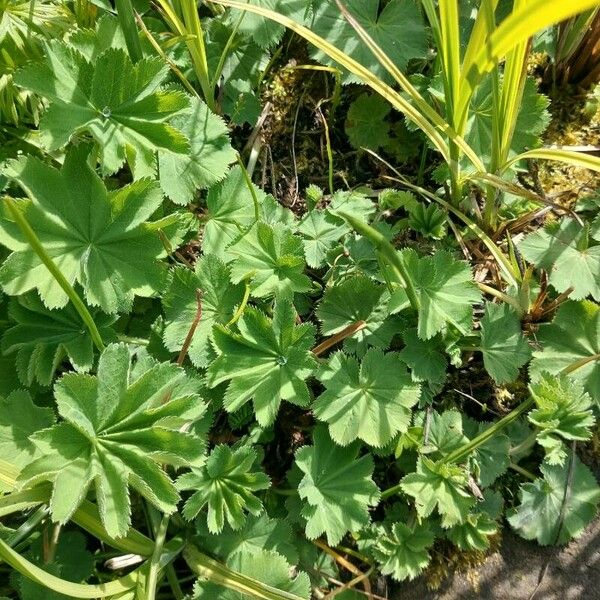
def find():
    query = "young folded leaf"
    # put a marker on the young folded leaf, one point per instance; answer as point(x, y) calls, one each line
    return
point(402, 551)
point(99, 239)
point(370, 401)
point(337, 487)
point(474, 533)
point(272, 257)
point(441, 486)
point(445, 290)
point(218, 300)
point(563, 249)
point(120, 104)
point(541, 514)
point(571, 343)
point(564, 412)
point(43, 338)
point(504, 347)
point(226, 485)
point(268, 361)
point(118, 427)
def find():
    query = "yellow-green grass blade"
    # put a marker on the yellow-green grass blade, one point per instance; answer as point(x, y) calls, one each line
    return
point(575, 159)
point(450, 54)
point(573, 33)
point(426, 109)
point(387, 92)
point(519, 26)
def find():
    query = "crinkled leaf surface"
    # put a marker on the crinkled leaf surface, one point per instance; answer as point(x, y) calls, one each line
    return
point(402, 551)
point(226, 486)
point(445, 290)
point(563, 412)
point(398, 29)
point(272, 258)
point(370, 400)
point(120, 104)
point(42, 338)
point(337, 487)
point(571, 343)
point(118, 427)
point(268, 361)
point(539, 514)
point(505, 349)
point(101, 240)
point(265, 566)
point(218, 299)
point(208, 159)
point(563, 250)
point(440, 486)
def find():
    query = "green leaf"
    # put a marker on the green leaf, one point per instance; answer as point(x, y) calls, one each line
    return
point(563, 412)
point(72, 562)
point(267, 567)
point(120, 104)
point(208, 159)
point(20, 418)
point(337, 487)
point(99, 239)
point(43, 338)
point(541, 515)
point(218, 301)
point(441, 486)
point(118, 427)
point(357, 299)
point(504, 347)
point(365, 124)
point(571, 343)
point(398, 30)
point(271, 256)
point(474, 533)
point(445, 432)
point(424, 357)
point(402, 551)
point(258, 533)
point(429, 220)
point(370, 401)
point(491, 459)
point(230, 210)
point(320, 232)
point(226, 485)
point(445, 290)
point(563, 250)
point(268, 361)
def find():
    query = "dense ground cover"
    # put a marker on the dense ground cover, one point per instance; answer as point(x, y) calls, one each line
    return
point(295, 298)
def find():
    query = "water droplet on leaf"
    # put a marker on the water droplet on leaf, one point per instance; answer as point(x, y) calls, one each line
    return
point(281, 360)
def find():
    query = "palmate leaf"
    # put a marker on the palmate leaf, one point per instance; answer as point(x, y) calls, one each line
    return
point(441, 486)
point(563, 250)
point(272, 258)
point(208, 159)
point(541, 514)
point(445, 290)
point(119, 427)
point(219, 297)
point(402, 551)
point(492, 458)
point(268, 361)
point(258, 533)
point(43, 338)
point(357, 299)
point(120, 104)
point(371, 401)
point(398, 29)
point(424, 357)
point(320, 231)
point(474, 533)
point(504, 347)
point(226, 485)
point(365, 124)
point(265, 566)
point(337, 487)
point(571, 343)
point(101, 240)
point(563, 412)
point(20, 418)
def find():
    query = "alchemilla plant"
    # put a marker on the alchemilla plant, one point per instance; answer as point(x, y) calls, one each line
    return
point(254, 351)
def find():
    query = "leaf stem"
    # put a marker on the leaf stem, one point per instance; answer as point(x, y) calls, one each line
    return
point(190, 334)
point(338, 337)
point(159, 542)
point(250, 187)
point(522, 471)
point(39, 249)
point(242, 307)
